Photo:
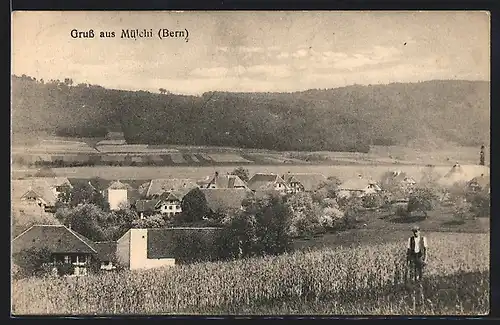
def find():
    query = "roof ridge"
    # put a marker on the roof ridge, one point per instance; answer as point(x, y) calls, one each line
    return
point(80, 238)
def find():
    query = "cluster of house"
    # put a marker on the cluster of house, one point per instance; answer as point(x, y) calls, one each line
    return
point(164, 196)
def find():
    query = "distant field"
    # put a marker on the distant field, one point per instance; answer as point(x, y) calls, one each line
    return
point(343, 172)
point(43, 148)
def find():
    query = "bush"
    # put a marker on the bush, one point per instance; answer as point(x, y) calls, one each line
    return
point(65, 269)
point(155, 221)
point(372, 201)
point(332, 218)
point(194, 246)
point(401, 210)
point(480, 203)
point(462, 211)
point(306, 214)
point(31, 262)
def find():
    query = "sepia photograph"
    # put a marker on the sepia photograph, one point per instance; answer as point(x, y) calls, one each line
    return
point(323, 163)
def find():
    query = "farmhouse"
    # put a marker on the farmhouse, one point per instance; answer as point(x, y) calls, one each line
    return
point(156, 187)
point(66, 247)
point(40, 192)
point(151, 248)
point(479, 183)
point(262, 181)
point(455, 175)
point(303, 182)
point(168, 203)
point(145, 208)
point(223, 181)
point(358, 187)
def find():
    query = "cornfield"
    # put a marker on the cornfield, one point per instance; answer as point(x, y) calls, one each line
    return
point(361, 280)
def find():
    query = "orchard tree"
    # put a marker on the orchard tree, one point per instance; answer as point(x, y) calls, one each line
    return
point(154, 221)
point(86, 219)
point(264, 225)
point(422, 199)
point(327, 188)
point(81, 193)
point(242, 173)
point(194, 206)
point(305, 215)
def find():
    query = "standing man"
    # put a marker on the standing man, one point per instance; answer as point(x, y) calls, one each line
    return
point(481, 156)
point(416, 256)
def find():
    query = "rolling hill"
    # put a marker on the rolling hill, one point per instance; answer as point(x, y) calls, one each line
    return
point(430, 113)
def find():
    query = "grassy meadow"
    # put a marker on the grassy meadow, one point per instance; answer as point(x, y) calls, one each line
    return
point(343, 172)
point(367, 279)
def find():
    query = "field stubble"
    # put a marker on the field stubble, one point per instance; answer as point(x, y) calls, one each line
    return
point(362, 280)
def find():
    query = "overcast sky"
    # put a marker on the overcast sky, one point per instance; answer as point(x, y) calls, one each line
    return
point(249, 51)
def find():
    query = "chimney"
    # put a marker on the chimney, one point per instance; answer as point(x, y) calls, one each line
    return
point(360, 176)
point(69, 226)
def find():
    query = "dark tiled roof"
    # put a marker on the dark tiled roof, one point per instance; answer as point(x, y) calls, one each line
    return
point(225, 198)
point(146, 205)
point(56, 238)
point(162, 242)
point(172, 196)
point(100, 184)
point(106, 251)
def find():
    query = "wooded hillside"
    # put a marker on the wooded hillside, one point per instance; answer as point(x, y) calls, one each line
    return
point(341, 119)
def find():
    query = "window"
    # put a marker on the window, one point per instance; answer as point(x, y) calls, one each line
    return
point(67, 259)
point(178, 206)
point(170, 207)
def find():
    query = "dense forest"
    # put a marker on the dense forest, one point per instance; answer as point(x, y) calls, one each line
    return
point(341, 119)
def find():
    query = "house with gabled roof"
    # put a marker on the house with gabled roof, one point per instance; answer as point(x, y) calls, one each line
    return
point(40, 192)
point(265, 181)
point(223, 181)
point(304, 182)
point(65, 245)
point(479, 183)
point(358, 186)
point(146, 207)
point(157, 187)
point(168, 204)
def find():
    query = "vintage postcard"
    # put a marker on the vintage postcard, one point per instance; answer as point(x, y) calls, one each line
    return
point(250, 163)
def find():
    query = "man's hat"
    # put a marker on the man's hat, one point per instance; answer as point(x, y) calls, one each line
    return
point(415, 228)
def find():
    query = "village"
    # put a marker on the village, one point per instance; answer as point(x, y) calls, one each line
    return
point(149, 245)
